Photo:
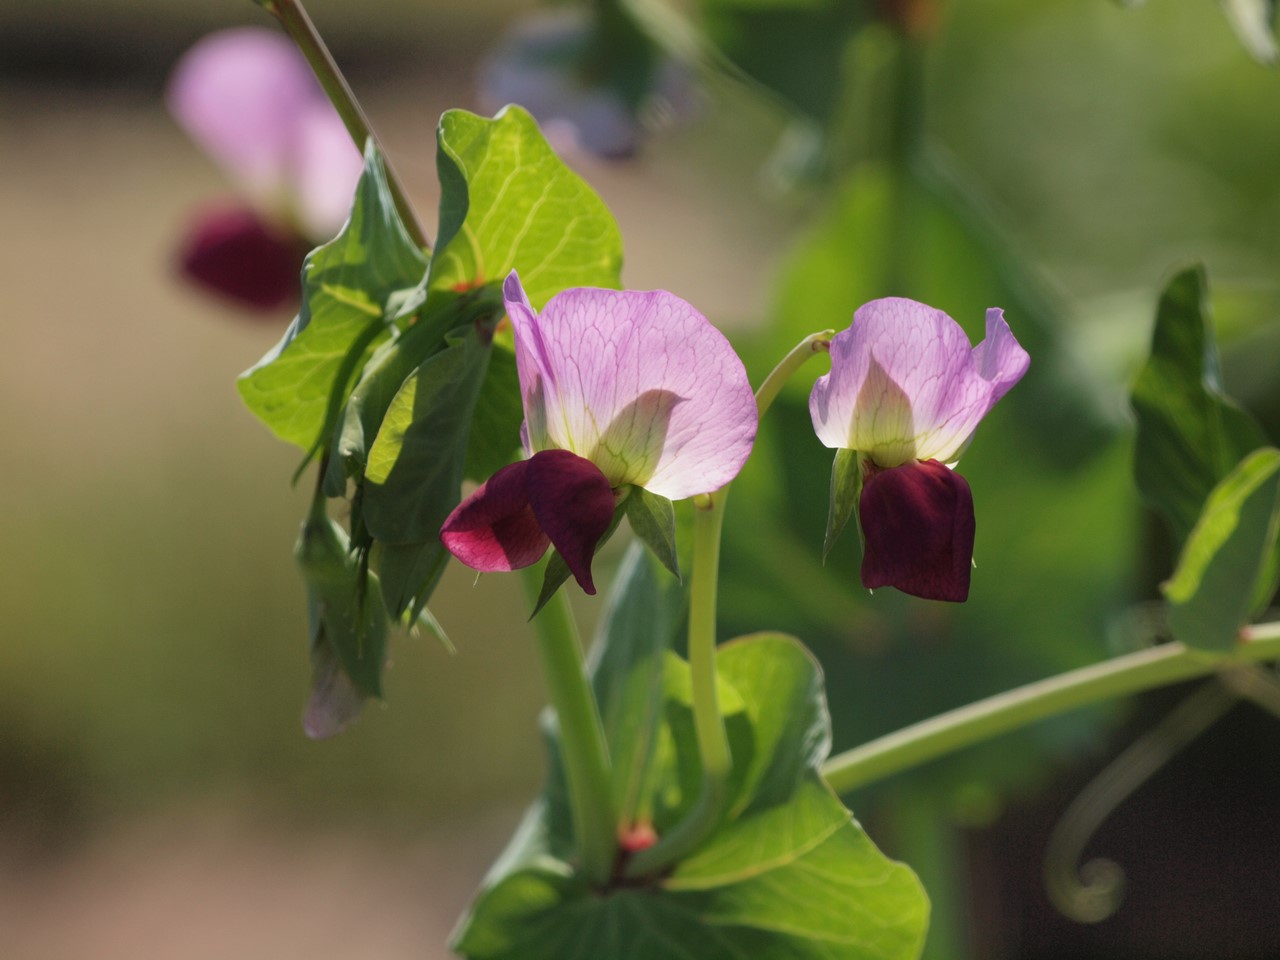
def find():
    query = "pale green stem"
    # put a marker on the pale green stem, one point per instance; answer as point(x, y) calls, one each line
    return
point(1121, 676)
point(583, 747)
point(297, 24)
point(713, 742)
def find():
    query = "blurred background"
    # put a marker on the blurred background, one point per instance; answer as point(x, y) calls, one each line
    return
point(157, 795)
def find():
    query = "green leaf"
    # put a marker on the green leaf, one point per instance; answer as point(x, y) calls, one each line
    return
point(344, 603)
point(1190, 434)
point(653, 520)
point(414, 474)
point(508, 202)
point(495, 424)
point(409, 573)
point(1228, 561)
point(846, 488)
point(1254, 22)
point(789, 876)
point(350, 286)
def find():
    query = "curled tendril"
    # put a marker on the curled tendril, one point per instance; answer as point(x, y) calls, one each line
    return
point(1093, 892)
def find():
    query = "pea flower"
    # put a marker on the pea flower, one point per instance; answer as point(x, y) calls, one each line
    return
point(620, 388)
point(248, 98)
point(904, 395)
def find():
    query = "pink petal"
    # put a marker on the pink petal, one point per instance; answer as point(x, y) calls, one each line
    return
point(238, 93)
point(495, 528)
point(574, 505)
point(233, 253)
point(905, 385)
point(639, 383)
point(918, 524)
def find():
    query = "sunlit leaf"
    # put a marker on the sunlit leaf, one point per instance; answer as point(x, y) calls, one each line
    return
point(1227, 563)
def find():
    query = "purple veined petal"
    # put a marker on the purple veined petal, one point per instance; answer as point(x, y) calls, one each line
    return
point(906, 385)
point(238, 93)
point(1000, 359)
point(234, 254)
point(324, 169)
point(639, 383)
point(574, 505)
point(918, 524)
point(495, 528)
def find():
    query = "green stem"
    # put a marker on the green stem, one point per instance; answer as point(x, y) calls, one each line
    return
point(297, 23)
point(713, 742)
point(584, 749)
point(1121, 676)
point(811, 345)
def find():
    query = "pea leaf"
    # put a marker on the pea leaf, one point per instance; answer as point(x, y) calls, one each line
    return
point(351, 288)
point(1190, 434)
point(508, 202)
point(414, 474)
point(1227, 571)
point(348, 621)
point(788, 875)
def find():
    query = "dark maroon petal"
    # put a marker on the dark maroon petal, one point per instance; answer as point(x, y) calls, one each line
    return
point(232, 252)
point(495, 528)
point(917, 520)
point(574, 504)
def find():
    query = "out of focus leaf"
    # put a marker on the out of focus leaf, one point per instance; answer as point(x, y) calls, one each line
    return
point(1227, 565)
point(351, 287)
point(1254, 22)
point(1190, 434)
point(508, 202)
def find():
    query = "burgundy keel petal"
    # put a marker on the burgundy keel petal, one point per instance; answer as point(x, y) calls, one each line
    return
point(495, 528)
point(574, 504)
point(232, 252)
point(918, 523)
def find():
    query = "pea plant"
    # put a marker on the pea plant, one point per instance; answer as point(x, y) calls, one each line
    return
point(494, 394)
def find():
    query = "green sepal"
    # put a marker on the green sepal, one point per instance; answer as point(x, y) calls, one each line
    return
point(557, 572)
point(1190, 434)
point(653, 521)
point(351, 287)
point(846, 488)
point(1228, 567)
point(344, 603)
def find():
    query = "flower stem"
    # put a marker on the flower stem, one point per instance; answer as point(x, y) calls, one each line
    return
point(297, 24)
point(582, 742)
point(1118, 677)
point(713, 742)
point(813, 344)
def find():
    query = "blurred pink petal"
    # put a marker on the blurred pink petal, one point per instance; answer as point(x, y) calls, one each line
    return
point(639, 383)
point(326, 168)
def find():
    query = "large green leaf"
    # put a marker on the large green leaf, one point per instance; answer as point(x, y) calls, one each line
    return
point(1190, 434)
point(788, 876)
point(508, 202)
point(1226, 571)
point(414, 473)
point(351, 286)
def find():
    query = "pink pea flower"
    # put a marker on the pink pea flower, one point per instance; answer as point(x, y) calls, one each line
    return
point(248, 98)
point(906, 391)
point(619, 388)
